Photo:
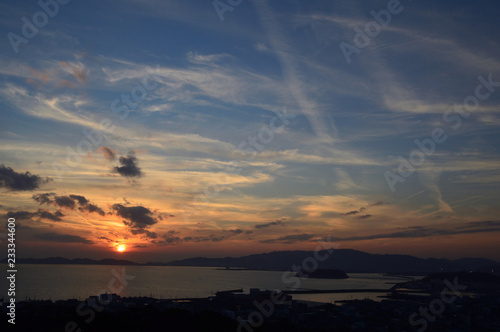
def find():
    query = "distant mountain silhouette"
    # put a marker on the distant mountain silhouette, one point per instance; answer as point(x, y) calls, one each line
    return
point(348, 260)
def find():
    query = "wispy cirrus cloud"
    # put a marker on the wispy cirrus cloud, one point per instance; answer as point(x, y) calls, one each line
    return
point(62, 238)
point(290, 66)
point(280, 222)
point(290, 239)
point(421, 231)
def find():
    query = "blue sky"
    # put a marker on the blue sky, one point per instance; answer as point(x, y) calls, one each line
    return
point(160, 169)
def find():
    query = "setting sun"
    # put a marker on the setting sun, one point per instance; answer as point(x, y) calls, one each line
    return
point(121, 248)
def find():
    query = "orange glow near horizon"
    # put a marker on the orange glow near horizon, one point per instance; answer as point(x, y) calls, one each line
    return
point(121, 248)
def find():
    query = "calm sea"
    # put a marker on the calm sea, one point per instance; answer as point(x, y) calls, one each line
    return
point(60, 282)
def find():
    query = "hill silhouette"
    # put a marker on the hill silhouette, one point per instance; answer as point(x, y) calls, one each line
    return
point(347, 260)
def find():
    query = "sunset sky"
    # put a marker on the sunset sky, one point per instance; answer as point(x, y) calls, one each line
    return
point(198, 128)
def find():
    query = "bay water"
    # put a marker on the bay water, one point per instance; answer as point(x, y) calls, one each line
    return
point(62, 282)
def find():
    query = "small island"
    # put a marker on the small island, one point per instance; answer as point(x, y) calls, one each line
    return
point(324, 274)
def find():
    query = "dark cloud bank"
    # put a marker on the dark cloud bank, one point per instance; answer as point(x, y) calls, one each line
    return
point(20, 181)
